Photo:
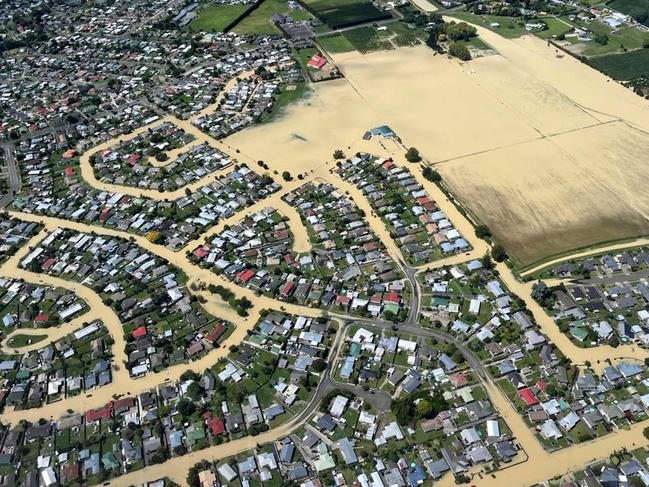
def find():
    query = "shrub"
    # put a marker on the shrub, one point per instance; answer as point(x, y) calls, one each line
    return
point(459, 51)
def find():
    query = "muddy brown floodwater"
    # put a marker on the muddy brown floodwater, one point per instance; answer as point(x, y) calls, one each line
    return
point(513, 134)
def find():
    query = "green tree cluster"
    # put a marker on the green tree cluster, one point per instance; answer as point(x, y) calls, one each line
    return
point(459, 51)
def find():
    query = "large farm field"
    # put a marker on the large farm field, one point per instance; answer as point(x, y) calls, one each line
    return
point(624, 67)
point(342, 13)
point(540, 200)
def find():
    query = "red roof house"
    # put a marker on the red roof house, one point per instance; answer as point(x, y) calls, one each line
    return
point(459, 379)
point(343, 300)
point(317, 61)
point(216, 426)
point(105, 213)
point(528, 396)
point(216, 333)
point(200, 252)
point(99, 414)
point(288, 287)
point(139, 332)
point(133, 158)
point(124, 404)
point(392, 297)
point(245, 276)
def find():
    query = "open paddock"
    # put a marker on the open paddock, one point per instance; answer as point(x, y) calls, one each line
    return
point(552, 195)
point(343, 13)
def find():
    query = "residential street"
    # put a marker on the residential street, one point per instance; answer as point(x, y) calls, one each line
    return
point(13, 175)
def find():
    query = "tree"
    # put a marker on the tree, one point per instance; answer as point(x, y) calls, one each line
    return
point(389, 315)
point(601, 39)
point(189, 375)
point(195, 391)
point(339, 154)
point(287, 176)
point(487, 262)
point(459, 51)
point(404, 410)
point(457, 357)
point(433, 35)
point(424, 408)
point(498, 253)
point(540, 291)
point(482, 231)
point(438, 403)
point(460, 32)
point(551, 390)
point(155, 237)
point(318, 365)
point(186, 407)
point(432, 175)
point(412, 155)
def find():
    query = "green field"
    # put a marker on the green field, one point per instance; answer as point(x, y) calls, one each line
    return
point(258, 22)
point(305, 55)
point(366, 39)
point(508, 27)
point(300, 14)
point(618, 41)
point(556, 27)
point(289, 95)
point(638, 9)
point(336, 44)
point(623, 67)
point(342, 13)
point(214, 18)
point(477, 43)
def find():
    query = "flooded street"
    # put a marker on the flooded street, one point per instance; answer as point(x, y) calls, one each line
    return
point(400, 88)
